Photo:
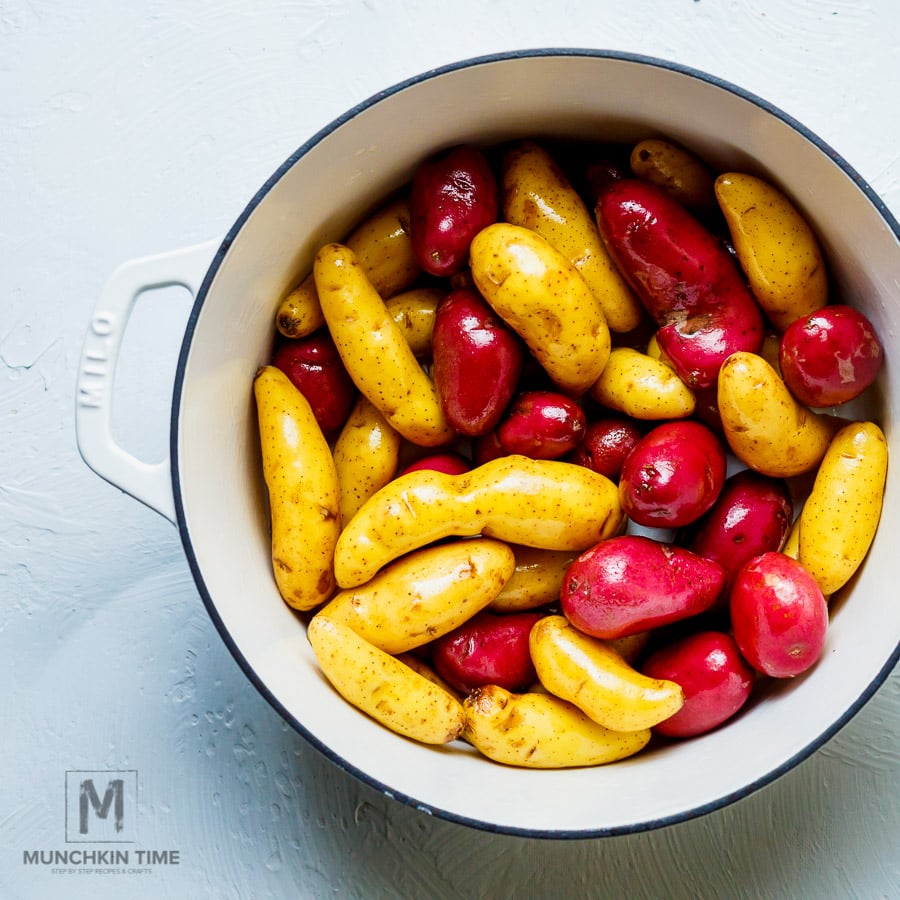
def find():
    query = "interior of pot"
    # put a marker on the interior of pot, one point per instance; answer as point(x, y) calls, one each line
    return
point(317, 196)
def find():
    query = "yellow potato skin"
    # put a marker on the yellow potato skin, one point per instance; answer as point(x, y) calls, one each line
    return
point(536, 581)
point(536, 194)
point(374, 350)
point(302, 482)
point(643, 387)
point(840, 517)
point(775, 246)
point(545, 299)
point(414, 312)
point(384, 687)
point(425, 594)
point(677, 171)
point(542, 503)
point(383, 246)
point(593, 676)
point(366, 453)
point(540, 731)
point(764, 425)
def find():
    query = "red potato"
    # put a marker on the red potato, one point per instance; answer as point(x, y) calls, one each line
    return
point(779, 615)
point(449, 463)
point(715, 678)
point(488, 649)
point(477, 361)
point(632, 583)
point(606, 444)
point(752, 515)
point(686, 279)
point(454, 195)
point(542, 425)
point(673, 475)
point(830, 356)
point(316, 369)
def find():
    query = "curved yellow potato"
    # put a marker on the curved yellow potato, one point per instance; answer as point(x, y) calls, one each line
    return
point(593, 675)
point(536, 581)
point(540, 503)
point(425, 594)
point(365, 455)
point(303, 491)
point(382, 686)
point(545, 299)
point(676, 170)
point(539, 731)
point(776, 247)
point(840, 517)
point(383, 247)
point(536, 194)
point(374, 351)
point(414, 312)
point(642, 387)
point(764, 425)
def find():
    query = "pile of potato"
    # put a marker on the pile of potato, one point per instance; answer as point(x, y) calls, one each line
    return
point(535, 435)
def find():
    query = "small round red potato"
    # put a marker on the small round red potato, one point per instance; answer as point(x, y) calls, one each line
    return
point(542, 425)
point(606, 444)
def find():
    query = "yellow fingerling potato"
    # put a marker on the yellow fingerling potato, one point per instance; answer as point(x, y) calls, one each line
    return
point(417, 664)
point(593, 676)
point(539, 731)
point(839, 518)
point(776, 247)
point(303, 491)
point(384, 687)
point(383, 247)
point(536, 194)
point(374, 350)
point(766, 428)
point(425, 594)
point(536, 581)
point(642, 387)
point(545, 299)
point(676, 170)
point(366, 454)
point(414, 312)
point(541, 503)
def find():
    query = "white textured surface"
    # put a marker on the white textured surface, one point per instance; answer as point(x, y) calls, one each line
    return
point(127, 129)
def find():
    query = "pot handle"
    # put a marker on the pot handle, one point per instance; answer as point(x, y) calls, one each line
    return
point(151, 483)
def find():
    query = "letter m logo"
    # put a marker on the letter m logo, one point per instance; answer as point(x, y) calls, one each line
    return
point(100, 806)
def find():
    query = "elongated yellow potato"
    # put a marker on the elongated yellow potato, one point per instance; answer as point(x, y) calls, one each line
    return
point(642, 387)
point(536, 581)
point(764, 425)
point(593, 675)
point(382, 686)
point(540, 731)
point(302, 482)
point(545, 299)
point(840, 517)
point(676, 170)
point(365, 455)
point(536, 194)
point(776, 247)
point(425, 594)
point(414, 312)
point(382, 244)
point(540, 503)
point(374, 350)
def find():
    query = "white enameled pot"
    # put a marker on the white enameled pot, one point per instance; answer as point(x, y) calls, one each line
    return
point(212, 475)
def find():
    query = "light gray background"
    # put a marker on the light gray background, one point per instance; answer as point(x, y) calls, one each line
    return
point(132, 128)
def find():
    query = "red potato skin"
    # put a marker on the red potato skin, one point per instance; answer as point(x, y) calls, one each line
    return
point(449, 463)
point(606, 445)
point(454, 195)
point(752, 515)
point(715, 678)
point(542, 425)
point(488, 649)
point(632, 583)
point(830, 356)
point(684, 276)
point(673, 475)
point(779, 615)
point(477, 362)
point(316, 369)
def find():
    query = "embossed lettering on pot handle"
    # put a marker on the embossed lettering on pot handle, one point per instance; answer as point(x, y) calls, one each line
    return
point(151, 483)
